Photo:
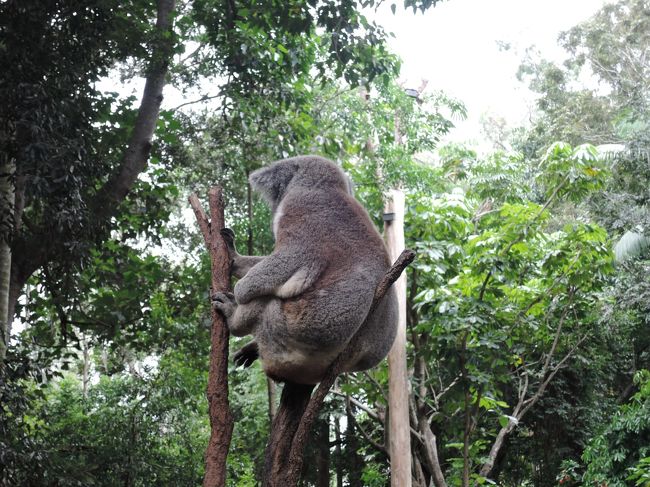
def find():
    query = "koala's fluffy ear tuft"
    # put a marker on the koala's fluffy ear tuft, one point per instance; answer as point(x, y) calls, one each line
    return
point(272, 181)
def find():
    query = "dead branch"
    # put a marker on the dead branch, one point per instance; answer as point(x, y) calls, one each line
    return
point(221, 420)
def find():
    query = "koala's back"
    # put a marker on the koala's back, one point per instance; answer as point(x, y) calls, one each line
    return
point(335, 232)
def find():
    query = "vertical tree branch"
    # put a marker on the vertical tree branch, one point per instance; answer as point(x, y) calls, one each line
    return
point(221, 420)
point(137, 152)
point(7, 199)
point(31, 255)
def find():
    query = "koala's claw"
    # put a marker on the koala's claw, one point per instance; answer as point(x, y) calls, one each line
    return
point(246, 355)
point(224, 302)
point(222, 297)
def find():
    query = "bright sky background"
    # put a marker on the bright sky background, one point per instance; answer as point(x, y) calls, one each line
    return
point(454, 47)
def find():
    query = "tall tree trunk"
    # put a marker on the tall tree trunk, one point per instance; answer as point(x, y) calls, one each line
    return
point(354, 462)
point(135, 158)
point(339, 456)
point(293, 402)
point(323, 453)
point(85, 371)
point(7, 199)
point(398, 395)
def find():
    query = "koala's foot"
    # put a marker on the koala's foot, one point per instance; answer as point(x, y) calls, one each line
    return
point(224, 303)
point(246, 355)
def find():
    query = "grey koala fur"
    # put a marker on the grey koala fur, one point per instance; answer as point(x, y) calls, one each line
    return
point(305, 301)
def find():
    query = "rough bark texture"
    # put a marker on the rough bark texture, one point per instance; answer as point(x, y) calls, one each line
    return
point(399, 445)
point(339, 455)
point(136, 156)
point(323, 455)
point(221, 420)
point(293, 401)
point(353, 459)
point(283, 470)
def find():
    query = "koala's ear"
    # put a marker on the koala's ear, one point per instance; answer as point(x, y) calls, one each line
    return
point(261, 178)
point(271, 181)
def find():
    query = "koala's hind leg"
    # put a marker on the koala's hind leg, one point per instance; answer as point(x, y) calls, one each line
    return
point(241, 319)
point(240, 264)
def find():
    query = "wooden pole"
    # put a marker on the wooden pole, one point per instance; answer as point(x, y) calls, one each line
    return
point(398, 394)
point(221, 420)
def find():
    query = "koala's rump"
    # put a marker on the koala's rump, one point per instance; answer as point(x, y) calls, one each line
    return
point(326, 316)
point(312, 337)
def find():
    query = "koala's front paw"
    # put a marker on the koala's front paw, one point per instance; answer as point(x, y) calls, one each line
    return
point(246, 355)
point(224, 303)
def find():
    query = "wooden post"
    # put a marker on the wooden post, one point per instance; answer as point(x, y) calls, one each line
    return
point(398, 393)
point(221, 420)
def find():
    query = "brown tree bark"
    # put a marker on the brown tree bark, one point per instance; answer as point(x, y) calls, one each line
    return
point(135, 158)
point(323, 458)
point(7, 200)
point(354, 461)
point(293, 402)
point(339, 456)
point(221, 420)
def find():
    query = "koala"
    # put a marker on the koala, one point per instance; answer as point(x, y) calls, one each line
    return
point(305, 301)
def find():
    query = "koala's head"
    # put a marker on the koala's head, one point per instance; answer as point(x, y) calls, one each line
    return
point(311, 172)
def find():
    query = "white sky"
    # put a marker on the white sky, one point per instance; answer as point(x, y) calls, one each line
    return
point(454, 47)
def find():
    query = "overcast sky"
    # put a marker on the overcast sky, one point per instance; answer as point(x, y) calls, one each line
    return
point(455, 47)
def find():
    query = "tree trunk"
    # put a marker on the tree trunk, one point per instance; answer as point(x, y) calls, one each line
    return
point(221, 420)
point(7, 198)
point(353, 459)
point(339, 456)
point(323, 458)
point(134, 160)
point(85, 371)
point(398, 395)
point(293, 402)
point(30, 256)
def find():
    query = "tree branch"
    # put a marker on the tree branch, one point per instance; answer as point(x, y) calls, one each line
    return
point(378, 446)
point(137, 152)
point(221, 419)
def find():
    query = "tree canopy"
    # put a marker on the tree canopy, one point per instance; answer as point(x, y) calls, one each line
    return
point(527, 310)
